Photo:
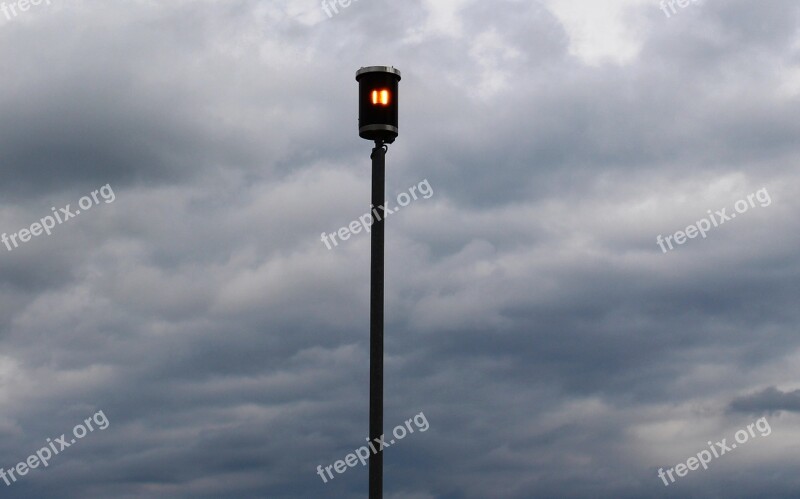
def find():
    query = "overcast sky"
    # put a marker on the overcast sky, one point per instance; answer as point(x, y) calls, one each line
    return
point(555, 349)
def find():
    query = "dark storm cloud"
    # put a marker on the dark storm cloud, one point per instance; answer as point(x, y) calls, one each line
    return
point(657, 113)
point(554, 349)
point(768, 400)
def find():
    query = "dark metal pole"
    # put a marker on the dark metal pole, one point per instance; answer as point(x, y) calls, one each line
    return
point(376, 319)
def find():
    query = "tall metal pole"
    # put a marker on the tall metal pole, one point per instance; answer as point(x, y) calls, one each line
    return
point(376, 319)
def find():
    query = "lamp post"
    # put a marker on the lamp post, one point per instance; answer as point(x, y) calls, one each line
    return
point(377, 121)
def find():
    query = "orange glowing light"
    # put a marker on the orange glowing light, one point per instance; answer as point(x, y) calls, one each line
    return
point(380, 97)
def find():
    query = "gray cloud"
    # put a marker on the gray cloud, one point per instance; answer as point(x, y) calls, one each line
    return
point(530, 314)
point(768, 400)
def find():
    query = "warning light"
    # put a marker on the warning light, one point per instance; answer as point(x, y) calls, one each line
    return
point(377, 103)
point(380, 97)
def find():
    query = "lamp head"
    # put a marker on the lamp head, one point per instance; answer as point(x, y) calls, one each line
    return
point(378, 103)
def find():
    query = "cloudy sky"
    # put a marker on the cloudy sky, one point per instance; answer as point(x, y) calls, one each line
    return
point(554, 347)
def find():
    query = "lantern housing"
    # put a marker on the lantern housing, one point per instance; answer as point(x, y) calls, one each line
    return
point(378, 103)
